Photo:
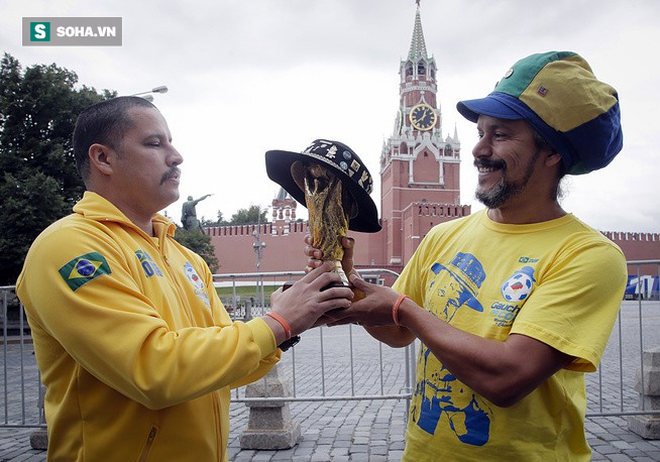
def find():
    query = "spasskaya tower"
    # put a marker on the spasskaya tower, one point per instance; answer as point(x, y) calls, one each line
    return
point(420, 184)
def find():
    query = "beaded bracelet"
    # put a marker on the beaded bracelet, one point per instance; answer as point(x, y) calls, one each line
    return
point(283, 323)
point(396, 306)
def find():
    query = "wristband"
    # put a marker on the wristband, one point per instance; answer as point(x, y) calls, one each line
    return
point(283, 323)
point(395, 308)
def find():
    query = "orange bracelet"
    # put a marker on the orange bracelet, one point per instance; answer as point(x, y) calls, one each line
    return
point(283, 323)
point(395, 308)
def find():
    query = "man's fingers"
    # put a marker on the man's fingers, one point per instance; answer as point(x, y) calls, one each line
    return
point(311, 252)
point(337, 292)
point(348, 243)
point(317, 272)
point(322, 276)
point(360, 283)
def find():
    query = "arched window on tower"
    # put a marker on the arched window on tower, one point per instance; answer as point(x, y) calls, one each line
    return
point(409, 69)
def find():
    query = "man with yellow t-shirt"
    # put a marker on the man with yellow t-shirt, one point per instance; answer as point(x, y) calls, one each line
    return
point(514, 303)
point(135, 349)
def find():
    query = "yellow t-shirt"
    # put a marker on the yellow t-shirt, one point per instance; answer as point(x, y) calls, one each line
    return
point(560, 282)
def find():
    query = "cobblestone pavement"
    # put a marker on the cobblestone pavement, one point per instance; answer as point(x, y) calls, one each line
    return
point(337, 365)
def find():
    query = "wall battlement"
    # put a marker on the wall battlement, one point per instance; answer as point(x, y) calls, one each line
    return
point(622, 236)
point(441, 210)
point(273, 229)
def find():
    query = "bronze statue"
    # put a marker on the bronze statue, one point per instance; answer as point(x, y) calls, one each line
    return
point(189, 214)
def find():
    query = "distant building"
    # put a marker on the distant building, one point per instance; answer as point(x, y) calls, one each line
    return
point(420, 187)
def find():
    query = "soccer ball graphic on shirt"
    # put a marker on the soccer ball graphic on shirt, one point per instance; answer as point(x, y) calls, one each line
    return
point(518, 287)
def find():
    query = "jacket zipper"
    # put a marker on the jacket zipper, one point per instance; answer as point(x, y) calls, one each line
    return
point(147, 446)
point(175, 283)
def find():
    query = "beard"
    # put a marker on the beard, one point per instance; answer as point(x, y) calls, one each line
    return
point(505, 190)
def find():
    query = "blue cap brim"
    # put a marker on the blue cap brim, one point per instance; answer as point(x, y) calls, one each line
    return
point(493, 107)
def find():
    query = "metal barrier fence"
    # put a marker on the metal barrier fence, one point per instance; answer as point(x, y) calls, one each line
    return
point(614, 389)
point(345, 355)
point(345, 363)
point(22, 400)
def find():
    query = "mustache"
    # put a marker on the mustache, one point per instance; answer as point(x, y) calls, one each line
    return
point(171, 173)
point(489, 163)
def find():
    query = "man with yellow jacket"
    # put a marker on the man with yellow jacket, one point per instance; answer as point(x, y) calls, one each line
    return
point(135, 349)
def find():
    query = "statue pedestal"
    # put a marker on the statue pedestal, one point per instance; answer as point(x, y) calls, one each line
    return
point(270, 425)
point(39, 437)
point(648, 426)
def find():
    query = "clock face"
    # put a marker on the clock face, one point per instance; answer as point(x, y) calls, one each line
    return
point(422, 117)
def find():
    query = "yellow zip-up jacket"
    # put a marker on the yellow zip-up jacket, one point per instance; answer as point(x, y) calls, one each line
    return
point(135, 349)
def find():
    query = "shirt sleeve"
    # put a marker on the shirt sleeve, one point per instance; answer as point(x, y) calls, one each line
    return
point(576, 302)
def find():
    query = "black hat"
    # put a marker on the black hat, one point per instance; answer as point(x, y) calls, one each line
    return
point(340, 160)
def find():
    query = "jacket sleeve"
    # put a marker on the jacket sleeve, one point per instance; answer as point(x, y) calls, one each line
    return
point(99, 318)
point(267, 363)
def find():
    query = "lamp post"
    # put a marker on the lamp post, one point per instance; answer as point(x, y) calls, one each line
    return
point(149, 95)
point(258, 247)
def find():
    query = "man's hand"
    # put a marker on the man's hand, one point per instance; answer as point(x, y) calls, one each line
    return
point(373, 309)
point(302, 304)
point(315, 256)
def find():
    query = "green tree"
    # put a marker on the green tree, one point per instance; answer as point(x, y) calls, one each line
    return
point(38, 181)
point(199, 243)
point(221, 219)
point(219, 222)
point(250, 216)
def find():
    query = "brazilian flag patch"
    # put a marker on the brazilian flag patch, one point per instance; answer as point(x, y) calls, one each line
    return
point(83, 269)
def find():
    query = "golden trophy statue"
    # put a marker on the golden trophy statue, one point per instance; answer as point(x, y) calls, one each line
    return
point(334, 184)
point(329, 210)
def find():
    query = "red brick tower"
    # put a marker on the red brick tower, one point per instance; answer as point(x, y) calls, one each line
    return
point(284, 207)
point(419, 169)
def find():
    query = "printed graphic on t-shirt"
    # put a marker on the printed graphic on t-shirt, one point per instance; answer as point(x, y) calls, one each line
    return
point(149, 266)
point(439, 399)
point(441, 402)
point(518, 287)
point(461, 289)
point(515, 290)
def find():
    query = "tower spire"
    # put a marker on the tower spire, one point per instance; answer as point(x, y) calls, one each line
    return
point(417, 46)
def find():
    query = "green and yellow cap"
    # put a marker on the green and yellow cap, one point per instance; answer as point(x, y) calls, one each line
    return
point(558, 94)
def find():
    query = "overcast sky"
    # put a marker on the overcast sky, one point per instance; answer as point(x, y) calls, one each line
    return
point(246, 76)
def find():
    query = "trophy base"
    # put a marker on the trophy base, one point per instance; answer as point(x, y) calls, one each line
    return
point(344, 279)
point(340, 271)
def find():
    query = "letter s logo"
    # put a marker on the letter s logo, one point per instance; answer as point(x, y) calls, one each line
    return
point(40, 31)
